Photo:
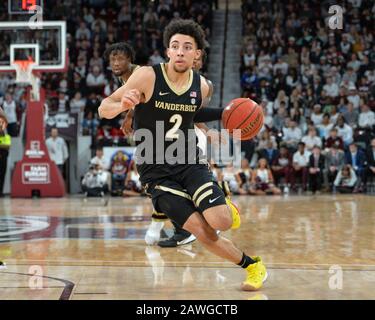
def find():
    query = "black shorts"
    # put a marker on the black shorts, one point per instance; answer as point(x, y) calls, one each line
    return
point(186, 189)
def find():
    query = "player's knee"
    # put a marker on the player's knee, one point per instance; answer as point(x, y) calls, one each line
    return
point(219, 218)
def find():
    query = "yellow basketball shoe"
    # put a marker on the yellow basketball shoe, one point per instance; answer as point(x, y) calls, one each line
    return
point(256, 275)
point(235, 213)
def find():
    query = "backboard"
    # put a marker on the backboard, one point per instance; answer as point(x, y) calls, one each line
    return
point(30, 47)
point(44, 42)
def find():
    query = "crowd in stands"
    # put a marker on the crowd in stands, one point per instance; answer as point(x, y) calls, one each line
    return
point(316, 86)
point(92, 26)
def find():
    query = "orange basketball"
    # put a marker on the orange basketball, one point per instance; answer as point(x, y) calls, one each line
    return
point(243, 114)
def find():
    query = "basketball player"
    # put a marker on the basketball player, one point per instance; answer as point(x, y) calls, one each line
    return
point(121, 56)
point(3, 125)
point(184, 192)
point(180, 236)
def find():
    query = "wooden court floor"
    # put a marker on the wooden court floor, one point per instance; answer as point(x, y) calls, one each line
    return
point(315, 247)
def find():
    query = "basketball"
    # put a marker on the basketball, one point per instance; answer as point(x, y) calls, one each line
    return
point(244, 114)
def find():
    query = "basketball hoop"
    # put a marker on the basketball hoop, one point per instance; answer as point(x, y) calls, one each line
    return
point(24, 74)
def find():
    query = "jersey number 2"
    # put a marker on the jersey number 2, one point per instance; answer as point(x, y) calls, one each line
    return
point(171, 133)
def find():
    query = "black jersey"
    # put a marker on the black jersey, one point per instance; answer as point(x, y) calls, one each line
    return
point(169, 117)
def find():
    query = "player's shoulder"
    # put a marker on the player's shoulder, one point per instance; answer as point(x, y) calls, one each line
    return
point(206, 81)
point(143, 70)
point(144, 74)
point(206, 85)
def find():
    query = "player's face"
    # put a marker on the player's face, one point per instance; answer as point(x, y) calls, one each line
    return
point(182, 52)
point(119, 63)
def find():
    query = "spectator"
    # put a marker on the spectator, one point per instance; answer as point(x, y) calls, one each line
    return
point(281, 98)
point(280, 65)
point(96, 80)
point(156, 58)
point(346, 180)
point(103, 135)
point(96, 60)
point(334, 139)
point(119, 169)
point(353, 96)
point(124, 16)
point(57, 149)
point(243, 177)
point(325, 127)
point(249, 57)
point(229, 176)
point(63, 103)
point(270, 152)
point(300, 166)
point(354, 62)
point(279, 118)
point(110, 87)
point(92, 104)
point(317, 115)
point(9, 106)
point(77, 104)
point(366, 118)
point(311, 140)
point(351, 115)
point(344, 131)
point(83, 32)
point(265, 139)
point(262, 181)
point(282, 167)
point(334, 115)
point(356, 158)
point(292, 135)
point(349, 77)
point(93, 182)
point(316, 169)
point(133, 186)
point(102, 166)
point(331, 88)
point(335, 160)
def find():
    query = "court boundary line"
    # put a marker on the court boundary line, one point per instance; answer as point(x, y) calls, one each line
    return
point(68, 285)
point(146, 264)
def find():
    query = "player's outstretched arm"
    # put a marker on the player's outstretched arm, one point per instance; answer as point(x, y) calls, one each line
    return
point(137, 89)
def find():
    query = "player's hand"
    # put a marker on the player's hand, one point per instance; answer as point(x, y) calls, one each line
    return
point(130, 99)
point(126, 126)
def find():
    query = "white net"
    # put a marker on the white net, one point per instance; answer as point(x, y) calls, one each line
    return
point(24, 74)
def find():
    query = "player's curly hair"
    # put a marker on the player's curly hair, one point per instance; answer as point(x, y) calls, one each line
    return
point(120, 47)
point(186, 27)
